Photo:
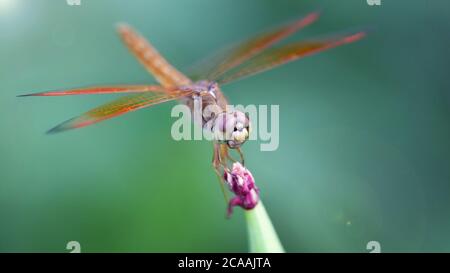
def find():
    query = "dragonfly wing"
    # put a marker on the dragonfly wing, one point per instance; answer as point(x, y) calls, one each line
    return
point(101, 90)
point(290, 52)
point(155, 63)
point(237, 54)
point(118, 107)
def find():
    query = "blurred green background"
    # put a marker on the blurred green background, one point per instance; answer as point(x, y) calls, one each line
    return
point(364, 141)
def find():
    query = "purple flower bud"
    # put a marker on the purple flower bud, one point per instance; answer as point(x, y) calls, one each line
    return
point(242, 184)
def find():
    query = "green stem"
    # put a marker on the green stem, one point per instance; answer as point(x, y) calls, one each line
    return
point(262, 235)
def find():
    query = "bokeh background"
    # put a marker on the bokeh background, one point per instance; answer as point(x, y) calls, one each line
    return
point(364, 141)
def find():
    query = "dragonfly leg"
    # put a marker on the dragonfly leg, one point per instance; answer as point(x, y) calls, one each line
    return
point(231, 158)
point(241, 155)
point(217, 164)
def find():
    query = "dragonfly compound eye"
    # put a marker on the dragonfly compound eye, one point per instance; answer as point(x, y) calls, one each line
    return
point(232, 128)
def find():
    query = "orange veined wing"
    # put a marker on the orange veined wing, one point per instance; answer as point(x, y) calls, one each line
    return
point(118, 107)
point(213, 67)
point(148, 56)
point(281, 55)
point(101, 90)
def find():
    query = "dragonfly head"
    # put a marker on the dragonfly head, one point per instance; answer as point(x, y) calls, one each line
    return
point(231, 128)
point(241, 130)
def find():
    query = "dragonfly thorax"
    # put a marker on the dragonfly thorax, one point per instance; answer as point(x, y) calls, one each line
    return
point(231, 127)
point(209, 87)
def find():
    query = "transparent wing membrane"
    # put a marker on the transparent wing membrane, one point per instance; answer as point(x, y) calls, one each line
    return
point(119, 107)
point(147, 55)
point(101, 90)
point(287, 53)
point(216, 65)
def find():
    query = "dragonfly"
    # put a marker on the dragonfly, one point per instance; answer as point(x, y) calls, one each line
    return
point(241, 60)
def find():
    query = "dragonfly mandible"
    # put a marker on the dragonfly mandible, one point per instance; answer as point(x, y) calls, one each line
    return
point(244, 59)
